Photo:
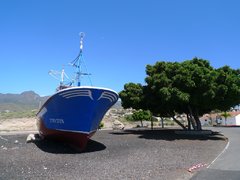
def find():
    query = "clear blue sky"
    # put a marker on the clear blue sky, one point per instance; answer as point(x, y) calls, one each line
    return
point(122, 37)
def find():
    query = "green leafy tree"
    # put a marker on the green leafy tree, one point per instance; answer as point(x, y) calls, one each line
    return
point(141, 115)
point(227, 88)
point(192, 87)
point(132, 96)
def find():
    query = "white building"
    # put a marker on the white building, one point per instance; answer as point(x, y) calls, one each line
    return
point(218, 120)
point(231, 121)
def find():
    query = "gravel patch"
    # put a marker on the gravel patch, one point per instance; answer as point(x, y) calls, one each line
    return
point(129, 154)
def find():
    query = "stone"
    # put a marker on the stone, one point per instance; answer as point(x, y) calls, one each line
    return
point(117, 125)
point(33, 137)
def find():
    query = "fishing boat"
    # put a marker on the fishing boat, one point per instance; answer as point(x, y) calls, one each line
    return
point(74, 112)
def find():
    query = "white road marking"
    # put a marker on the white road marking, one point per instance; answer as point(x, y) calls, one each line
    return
point(226, 147)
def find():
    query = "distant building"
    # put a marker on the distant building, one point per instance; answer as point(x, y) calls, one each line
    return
point(219, 120)
point(232, 121)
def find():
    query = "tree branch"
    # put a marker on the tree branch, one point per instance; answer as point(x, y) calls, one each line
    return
point(179, 123)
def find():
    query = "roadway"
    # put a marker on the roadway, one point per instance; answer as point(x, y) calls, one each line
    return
point(227, 163)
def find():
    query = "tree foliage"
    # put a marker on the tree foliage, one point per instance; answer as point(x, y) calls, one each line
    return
point(192, 87)
point(141, 115)
point(228, 88)
point(132, 96)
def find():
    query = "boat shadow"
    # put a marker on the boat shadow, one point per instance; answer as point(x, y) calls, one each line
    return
point(56, 147)
point(169, 134)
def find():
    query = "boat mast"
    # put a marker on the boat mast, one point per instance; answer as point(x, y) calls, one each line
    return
point(79, 65)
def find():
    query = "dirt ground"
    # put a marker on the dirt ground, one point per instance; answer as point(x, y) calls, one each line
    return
point(29, 124)
point(18, 124)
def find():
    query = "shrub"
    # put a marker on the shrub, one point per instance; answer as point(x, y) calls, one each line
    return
point(129, 118)
point(101, 125)
point(142, 115)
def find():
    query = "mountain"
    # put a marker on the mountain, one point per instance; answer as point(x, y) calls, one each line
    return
point(27, 100)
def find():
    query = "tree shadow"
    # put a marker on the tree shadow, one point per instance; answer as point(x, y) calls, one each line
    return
point(57, 147)
point(169, 134)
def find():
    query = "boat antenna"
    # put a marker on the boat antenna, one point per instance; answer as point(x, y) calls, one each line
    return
point(81, 41)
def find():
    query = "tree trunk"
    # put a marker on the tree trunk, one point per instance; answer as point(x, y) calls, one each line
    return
point(162, 122)
point(197, 120)
point(179, 123)
point(199, 125)
point(192, 119)
point(151, 123)
point(189, 122)
point(194, 123)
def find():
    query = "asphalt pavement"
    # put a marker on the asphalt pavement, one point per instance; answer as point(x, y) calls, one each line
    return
point(226, 166)
point(130, 154)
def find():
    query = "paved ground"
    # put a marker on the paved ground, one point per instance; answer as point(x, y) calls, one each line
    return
point(227, 164)
point(131, 154)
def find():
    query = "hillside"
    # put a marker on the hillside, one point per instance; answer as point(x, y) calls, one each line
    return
point(27, 100)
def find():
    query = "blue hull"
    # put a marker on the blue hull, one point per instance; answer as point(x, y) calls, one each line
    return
point(76, 109)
